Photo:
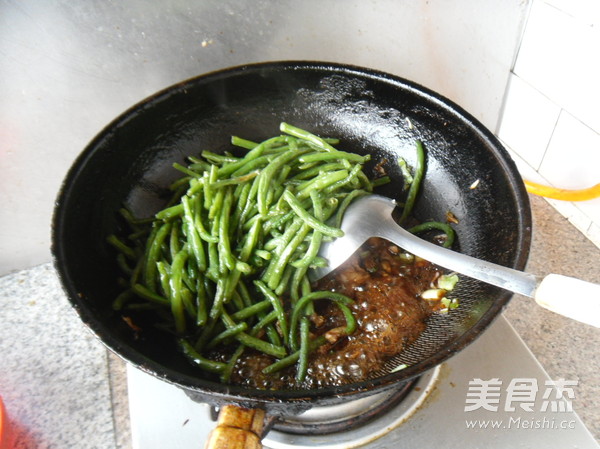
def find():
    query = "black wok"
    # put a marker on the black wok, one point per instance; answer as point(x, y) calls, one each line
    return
point(130, 162)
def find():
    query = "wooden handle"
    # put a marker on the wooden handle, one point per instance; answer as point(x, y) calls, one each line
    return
point(237, 428)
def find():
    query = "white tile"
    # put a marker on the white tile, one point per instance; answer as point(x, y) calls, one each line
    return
point(525, 170)
point(591, 209)
point(572, 213)
point(586, 11)
point(559, 57)
point(527, 121)
point(580, 214)
point(572, 161)
point(573, 155)
point(593, 234)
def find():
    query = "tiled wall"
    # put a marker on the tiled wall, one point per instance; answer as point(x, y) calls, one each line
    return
point(551, 120)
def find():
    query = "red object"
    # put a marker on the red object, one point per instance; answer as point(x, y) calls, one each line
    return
point(3, 427)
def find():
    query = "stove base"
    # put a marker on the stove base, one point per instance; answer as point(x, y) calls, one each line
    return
point(163, 416)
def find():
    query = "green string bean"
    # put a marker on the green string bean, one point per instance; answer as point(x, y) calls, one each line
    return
point(226, 261)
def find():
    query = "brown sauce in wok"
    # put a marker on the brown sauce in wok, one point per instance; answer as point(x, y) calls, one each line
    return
point(385, 286)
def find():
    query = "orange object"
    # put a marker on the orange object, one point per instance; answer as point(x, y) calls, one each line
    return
point(563, 194)
point(3, 427)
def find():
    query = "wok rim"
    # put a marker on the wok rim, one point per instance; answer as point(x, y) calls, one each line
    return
point(219, 393)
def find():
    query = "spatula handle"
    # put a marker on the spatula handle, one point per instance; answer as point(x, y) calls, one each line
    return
point(570, 297)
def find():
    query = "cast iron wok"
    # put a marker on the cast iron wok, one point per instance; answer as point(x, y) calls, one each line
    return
point(130, 162)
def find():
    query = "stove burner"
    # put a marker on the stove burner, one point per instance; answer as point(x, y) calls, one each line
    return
point(398, 406)
point(355, 413)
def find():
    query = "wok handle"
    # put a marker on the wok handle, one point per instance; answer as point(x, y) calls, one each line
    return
point(570, 297)
point(237, 428)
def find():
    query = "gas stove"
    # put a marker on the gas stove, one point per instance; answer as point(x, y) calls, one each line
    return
point(493, 394)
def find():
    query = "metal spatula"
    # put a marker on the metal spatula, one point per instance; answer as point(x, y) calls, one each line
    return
point(371, 216)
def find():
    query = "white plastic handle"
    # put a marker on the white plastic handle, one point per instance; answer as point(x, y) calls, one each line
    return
point(570, 297)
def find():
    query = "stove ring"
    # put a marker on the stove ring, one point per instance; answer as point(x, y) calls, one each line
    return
point(339, 418)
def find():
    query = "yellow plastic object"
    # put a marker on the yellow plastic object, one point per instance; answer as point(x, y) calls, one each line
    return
point(563, 194)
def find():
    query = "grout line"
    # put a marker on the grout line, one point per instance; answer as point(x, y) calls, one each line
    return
point(538, 168)
point(522, 35)
point(570, 15)
point(542, 94)
point(513, 63)
point(501, 112)
point(587, 232)
point(590, 235)
point(560, 112)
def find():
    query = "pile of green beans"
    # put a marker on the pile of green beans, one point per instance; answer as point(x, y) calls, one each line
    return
point(226, 261)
